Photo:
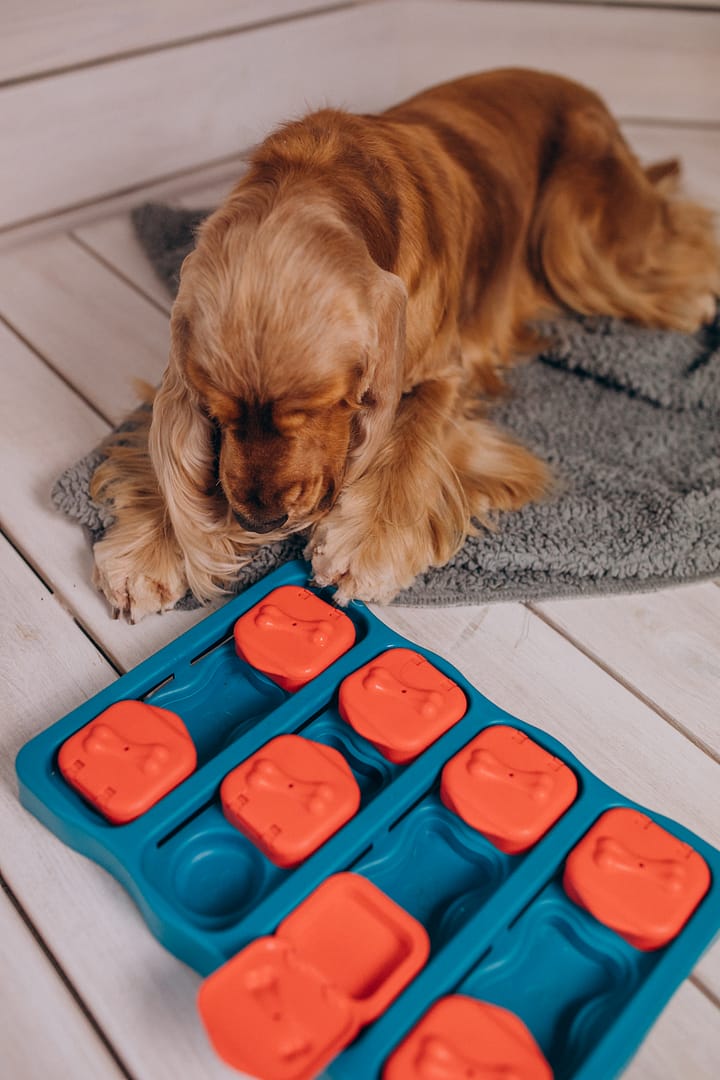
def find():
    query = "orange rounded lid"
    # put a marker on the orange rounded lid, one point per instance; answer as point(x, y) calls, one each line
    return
point(400, 703)
point(461, 1038)
point(127, 758)
point(290, 797)
point(636, 878)
point(507, 787)
point(269, 1013)
point(292, 635)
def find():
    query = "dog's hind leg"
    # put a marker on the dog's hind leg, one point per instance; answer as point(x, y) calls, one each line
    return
point(612, 238)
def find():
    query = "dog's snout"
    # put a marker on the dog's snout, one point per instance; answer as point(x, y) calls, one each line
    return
point(259, 512)
point(257, 524)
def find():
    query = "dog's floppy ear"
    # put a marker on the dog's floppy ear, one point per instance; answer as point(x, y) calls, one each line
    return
point(381, 382)
point(182, 448)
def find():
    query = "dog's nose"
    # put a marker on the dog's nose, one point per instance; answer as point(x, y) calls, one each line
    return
point(256, 525)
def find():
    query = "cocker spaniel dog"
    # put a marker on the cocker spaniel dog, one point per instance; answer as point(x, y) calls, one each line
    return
point(351, 306)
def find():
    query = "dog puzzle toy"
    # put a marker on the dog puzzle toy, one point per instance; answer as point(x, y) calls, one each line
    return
point(377, 869)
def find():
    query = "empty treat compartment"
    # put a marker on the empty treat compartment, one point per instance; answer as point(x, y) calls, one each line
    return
point(209, 871)
point(495, 800)
point(270, 813)
point(219, 698)
point(564, 974)
point(436, 867)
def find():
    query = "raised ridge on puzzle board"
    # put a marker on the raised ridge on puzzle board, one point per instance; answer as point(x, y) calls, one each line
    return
point(230, 800)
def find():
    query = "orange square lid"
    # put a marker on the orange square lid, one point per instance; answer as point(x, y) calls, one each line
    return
point(269, 1013)
point(127, 758)
point(461, 1037)
point(636, 878)
point(361, 941)
point(400, 703)
point(290, 797)
point(292, 635)
point(507, 787)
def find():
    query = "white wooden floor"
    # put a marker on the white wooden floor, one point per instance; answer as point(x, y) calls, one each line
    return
point(631, 684)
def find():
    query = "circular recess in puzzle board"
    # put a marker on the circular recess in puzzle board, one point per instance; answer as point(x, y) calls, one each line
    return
point(216, 875)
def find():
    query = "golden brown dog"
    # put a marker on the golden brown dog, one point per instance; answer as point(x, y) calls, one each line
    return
point(348, 308)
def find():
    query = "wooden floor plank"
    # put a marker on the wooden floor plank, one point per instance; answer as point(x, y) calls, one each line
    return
point(178, 108)
point(647, 64)
point(685, 1041)
point(665, 644)
point(41, 37)
point(656, 64)
point(45, 427)
point(34, 1000)
point(171, 188)
point(99, 332)
point(113, 240)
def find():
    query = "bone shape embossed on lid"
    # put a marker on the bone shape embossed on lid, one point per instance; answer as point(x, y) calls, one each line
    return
point(636, 877)
point(290, 797)
point(460, 1038)
point(401, 703)
point(483, 763)
point(380, 680)
point(128, 758)
point(508, 787)
point(285, 1005)
point(292, 635)
point(613, 855)
point(101, 739)
point(314, 795)
point(315, 631)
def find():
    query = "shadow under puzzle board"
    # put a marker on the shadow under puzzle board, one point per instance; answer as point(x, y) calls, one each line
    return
point(358, 849)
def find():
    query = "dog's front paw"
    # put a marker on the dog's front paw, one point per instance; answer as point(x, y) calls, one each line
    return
point(138, 581)
point(365, 567)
